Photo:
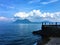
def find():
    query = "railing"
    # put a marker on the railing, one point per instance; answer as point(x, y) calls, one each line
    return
point(50, 23)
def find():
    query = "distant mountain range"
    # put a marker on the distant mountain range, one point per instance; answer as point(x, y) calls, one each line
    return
point(22, 21)
point(27, 21)
point(46, 21)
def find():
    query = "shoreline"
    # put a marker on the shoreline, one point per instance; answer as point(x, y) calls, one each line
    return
point(35, 43)
point(52, 41)
point(47, 32)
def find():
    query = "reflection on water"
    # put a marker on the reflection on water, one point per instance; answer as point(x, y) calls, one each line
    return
point(18, 34)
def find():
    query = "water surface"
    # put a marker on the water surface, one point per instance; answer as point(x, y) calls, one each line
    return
point(18, 34)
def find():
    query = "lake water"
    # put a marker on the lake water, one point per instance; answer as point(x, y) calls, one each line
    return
point(18, 34)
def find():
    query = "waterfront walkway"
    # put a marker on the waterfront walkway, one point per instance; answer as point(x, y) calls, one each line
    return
point(54, 41)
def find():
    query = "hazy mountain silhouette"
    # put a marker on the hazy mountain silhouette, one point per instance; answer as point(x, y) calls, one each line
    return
point(27, 21)
point(46, 21)
point(22, 21)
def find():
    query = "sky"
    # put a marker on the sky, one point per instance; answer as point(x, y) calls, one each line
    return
point(33, 10)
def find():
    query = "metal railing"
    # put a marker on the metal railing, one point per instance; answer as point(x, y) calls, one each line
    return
point(50, 23)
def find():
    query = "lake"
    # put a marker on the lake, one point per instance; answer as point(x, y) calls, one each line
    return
point(18, 34)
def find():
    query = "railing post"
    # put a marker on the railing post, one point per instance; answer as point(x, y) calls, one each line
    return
point(56, 23)
point(42, 23)
point(45, 23)
point(49, 23)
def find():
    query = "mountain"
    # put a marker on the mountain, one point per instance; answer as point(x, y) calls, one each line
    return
point(46, 21)
point(22, 21)
point(27, 21)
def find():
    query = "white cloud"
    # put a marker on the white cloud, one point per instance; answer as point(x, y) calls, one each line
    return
point(51, 1)
point(7, 6)
point(40, 1)
point(34, 1)
point(37, 15)
point(1, 4)
point(6, 19)
point(22, 15)
point(11, 7)
point(34, 13)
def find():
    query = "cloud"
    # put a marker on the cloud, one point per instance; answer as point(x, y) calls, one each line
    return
point(7, 6)
point(37, 15)
point(6, 19)
point(51, 1)
point(12, 7)
point(34, 1)
point(42, 2)
point(1, 4)
point(22, 15)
